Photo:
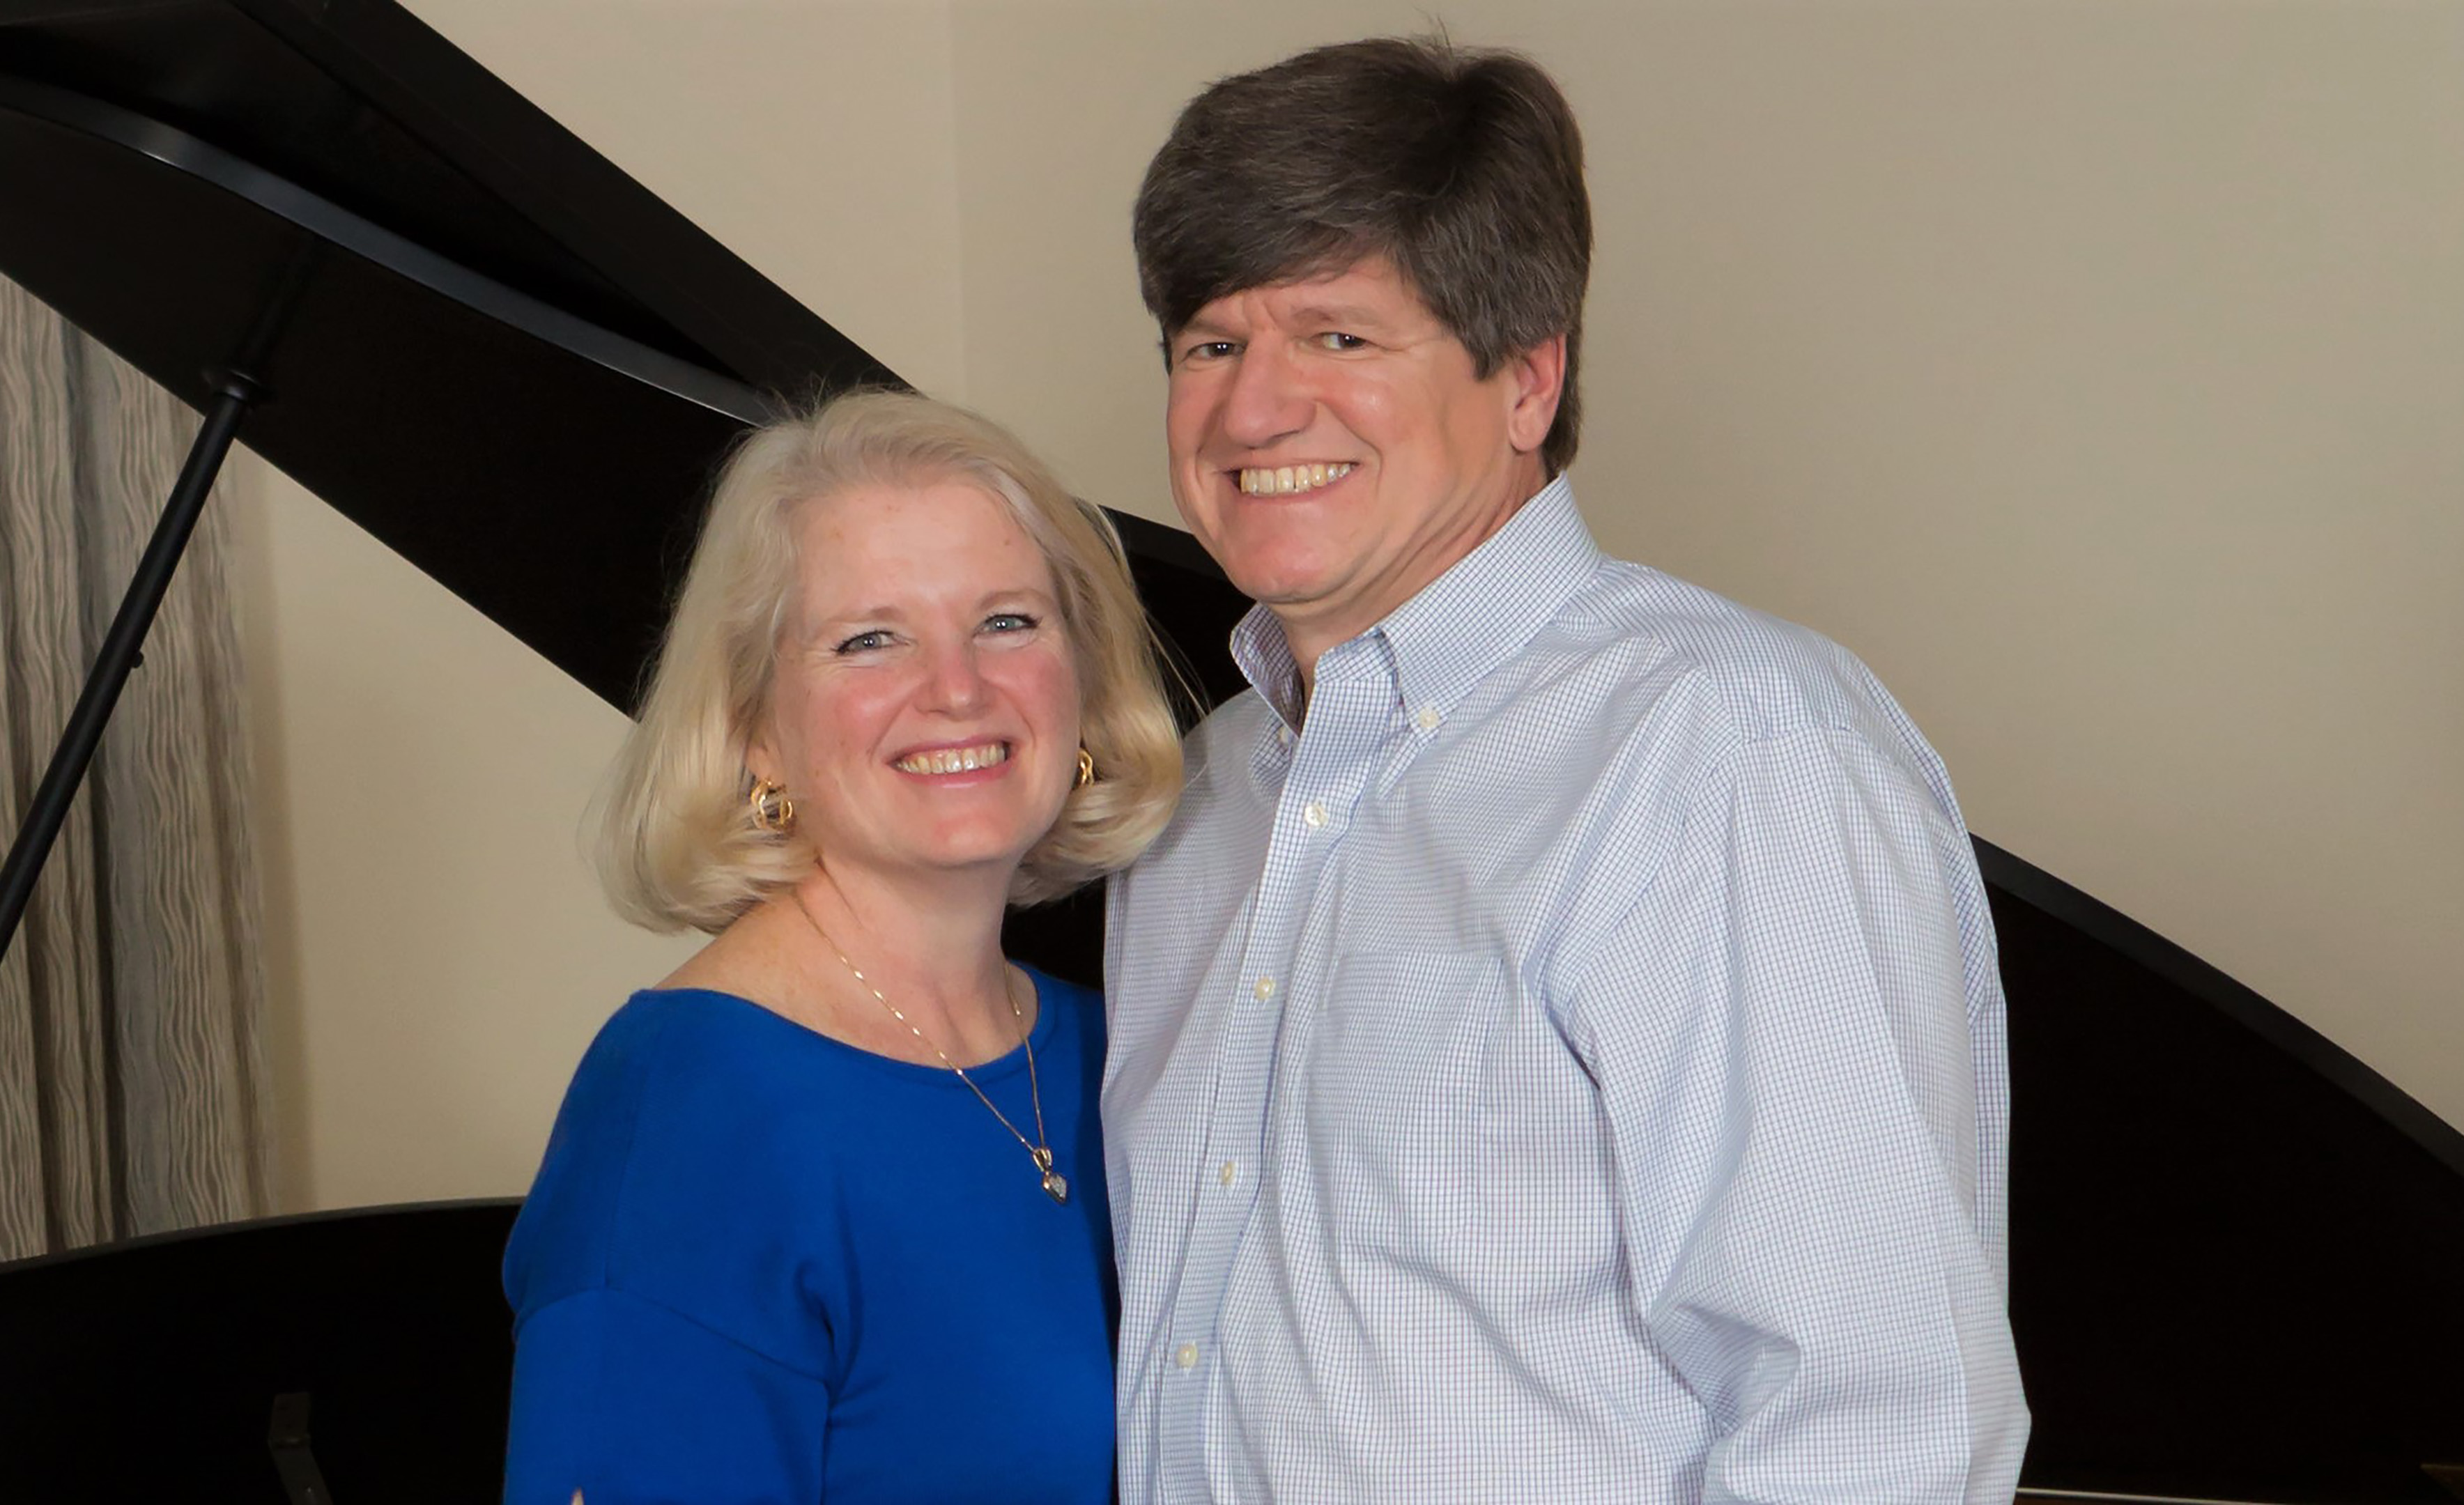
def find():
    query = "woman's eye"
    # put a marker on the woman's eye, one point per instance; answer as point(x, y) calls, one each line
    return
point(863, 642)
point(1010, 621)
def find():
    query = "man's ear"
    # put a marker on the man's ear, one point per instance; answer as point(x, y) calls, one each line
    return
point(1538, 377)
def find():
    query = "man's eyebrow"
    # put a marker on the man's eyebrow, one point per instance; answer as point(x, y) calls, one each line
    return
point(1341, 316)
point(1199, 324)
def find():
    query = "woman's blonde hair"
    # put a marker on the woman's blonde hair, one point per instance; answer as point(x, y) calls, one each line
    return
point(677, 846)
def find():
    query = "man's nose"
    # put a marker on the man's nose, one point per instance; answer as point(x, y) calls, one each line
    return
point(1267, 399)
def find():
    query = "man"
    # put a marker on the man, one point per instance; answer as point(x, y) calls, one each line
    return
point(1558, 1051)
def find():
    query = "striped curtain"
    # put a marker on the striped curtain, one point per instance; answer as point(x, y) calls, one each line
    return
point(132, 1066)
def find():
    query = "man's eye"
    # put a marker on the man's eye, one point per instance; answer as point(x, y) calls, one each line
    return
point(1337, 340)
point(1209, 350)
point(865, 642)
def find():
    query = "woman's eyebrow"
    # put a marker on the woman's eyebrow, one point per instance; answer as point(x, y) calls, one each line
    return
point(1015, 593)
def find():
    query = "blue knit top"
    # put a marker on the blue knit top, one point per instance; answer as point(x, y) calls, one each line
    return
point(760, 1264)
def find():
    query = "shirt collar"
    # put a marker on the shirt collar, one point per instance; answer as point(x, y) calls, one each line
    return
point(1481, 612)
point(1266, 660)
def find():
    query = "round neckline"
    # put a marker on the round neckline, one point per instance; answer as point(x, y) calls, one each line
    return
point(1009, 1063)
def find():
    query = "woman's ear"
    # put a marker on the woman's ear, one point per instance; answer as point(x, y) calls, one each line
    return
point(760, 760)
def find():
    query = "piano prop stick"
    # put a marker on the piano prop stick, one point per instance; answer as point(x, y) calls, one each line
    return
point(120, 653)
point(237, 389)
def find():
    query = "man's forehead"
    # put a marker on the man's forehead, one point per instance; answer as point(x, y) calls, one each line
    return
point(1367, 290)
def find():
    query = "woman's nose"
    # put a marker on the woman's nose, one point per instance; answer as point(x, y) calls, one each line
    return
point(953, 682)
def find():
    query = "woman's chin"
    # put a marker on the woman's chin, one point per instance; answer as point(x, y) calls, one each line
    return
point(963, 854)
point(1000, 837)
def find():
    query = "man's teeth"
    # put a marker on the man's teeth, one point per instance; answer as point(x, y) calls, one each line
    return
point(1284, 480)
point(955, 760)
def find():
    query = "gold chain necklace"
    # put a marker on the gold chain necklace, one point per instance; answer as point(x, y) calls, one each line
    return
point(1056, 1186)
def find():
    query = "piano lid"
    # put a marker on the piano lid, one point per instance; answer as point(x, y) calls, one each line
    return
point(2234, 1246)
point(480, 340)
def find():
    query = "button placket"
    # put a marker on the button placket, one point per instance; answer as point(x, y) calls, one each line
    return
point(1333, 759)
point(1237, 1125)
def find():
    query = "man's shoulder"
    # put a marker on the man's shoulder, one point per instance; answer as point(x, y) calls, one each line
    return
point(1761, 675)
point(1670, 666)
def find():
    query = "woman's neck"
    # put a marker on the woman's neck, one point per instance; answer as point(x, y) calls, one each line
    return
point(929, 949)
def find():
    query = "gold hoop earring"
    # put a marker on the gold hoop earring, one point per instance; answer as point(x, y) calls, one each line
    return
point(772, 809)
point(1086, 768)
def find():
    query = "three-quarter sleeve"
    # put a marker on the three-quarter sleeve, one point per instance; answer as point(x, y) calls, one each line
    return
point(632, 1403)
point(1781, 1037)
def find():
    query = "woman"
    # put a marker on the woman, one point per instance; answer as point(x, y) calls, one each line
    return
point(823, 1217)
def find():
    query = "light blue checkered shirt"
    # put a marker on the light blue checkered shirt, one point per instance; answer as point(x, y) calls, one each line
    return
point(1569, 1068)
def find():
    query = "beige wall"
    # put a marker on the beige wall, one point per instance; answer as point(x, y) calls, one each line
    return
point(2091, 369)
point(436, 958)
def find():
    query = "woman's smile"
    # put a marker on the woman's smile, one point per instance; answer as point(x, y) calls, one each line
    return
point(948, 763)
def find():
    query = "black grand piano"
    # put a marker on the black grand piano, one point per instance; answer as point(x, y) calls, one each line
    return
point(2237, 1268)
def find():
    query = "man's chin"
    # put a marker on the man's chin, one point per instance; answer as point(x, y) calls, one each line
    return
point(1281, 594)
point(1277, 580)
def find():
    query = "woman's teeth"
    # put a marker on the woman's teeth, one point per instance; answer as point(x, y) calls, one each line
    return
point(954, 760)
point(1286, 480)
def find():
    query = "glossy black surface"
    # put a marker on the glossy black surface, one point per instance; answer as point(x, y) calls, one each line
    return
point(2238, 1254)
point(146, 1373)
point(359, 103)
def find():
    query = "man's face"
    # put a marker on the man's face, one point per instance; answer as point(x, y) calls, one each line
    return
point(1333, 450)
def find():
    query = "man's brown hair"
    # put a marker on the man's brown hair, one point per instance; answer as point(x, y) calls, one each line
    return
point(1461, 166)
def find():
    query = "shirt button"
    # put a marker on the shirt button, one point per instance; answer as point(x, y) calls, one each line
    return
point(1314, 814)
point(1284, 735)
point(1185, 1356)
point(1227, 1175)
point(1265, 989)
point(1427, 718)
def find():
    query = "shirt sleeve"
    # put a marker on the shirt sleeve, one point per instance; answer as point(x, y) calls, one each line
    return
point(634, 1404)
point(1780, 1033)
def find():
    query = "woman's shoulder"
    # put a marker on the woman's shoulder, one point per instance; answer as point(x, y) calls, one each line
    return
point(681, 1174)
point(681, 1055)
point(684, 1109)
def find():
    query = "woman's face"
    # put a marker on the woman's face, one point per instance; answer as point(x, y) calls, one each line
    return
point(924, 708)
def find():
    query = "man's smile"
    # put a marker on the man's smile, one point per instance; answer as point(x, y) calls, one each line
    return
point(1289, 480)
